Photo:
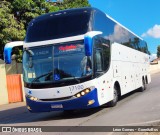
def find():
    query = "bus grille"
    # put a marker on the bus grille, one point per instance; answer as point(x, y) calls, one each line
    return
point(57, 99)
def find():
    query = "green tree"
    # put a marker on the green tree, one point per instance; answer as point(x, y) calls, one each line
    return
point(67, 4)
point(15, 15)
point(26, 10)
point(158, 51)
point(10, 28)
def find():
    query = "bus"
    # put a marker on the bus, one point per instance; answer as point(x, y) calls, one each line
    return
point(80, 59)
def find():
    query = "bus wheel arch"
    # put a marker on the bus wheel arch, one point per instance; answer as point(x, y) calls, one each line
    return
point(116, 94)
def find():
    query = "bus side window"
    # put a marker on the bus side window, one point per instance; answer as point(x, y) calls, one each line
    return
point(102, 55)
point(106, 53)
point(99, 60)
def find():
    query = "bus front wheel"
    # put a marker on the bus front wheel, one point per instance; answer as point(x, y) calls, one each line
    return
point(115, 97)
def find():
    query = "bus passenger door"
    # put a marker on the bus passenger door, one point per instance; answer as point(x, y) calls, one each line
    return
point(102, 70)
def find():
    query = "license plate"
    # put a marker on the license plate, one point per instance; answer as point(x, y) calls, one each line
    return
point(57, 106)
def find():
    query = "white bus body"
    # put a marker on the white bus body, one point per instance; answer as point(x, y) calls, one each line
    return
point(118, 63)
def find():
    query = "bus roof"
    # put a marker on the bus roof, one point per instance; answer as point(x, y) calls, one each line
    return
point(66, 11)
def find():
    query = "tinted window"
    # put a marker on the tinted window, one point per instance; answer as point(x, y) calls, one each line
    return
point(102, 23)
point(58, 26)
point(116, 33)
point(55, 63)
point(99, 61)
point(125, 37)
point(144, 47)
point(102, 47)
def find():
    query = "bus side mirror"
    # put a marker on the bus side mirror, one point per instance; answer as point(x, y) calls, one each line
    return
point(7, 55)
point(88, 41)
point(8, 50)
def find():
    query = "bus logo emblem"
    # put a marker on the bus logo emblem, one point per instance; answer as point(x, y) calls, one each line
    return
point(29, 92)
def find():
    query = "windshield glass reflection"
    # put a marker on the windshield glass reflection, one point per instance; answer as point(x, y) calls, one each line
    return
point(56, 63)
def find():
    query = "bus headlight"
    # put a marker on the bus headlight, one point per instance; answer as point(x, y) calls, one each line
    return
point(78, 95)
point(32, 98)
point(84, 92)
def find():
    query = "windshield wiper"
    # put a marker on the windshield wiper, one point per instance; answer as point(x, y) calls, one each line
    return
point(64, 80)
point(76, 79)
point(35, 79)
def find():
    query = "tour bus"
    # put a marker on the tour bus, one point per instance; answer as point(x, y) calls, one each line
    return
point(79, 59)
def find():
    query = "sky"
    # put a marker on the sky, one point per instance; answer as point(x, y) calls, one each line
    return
point(140, 16)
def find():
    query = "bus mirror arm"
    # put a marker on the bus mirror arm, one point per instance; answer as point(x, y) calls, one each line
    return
point(8, 50)
point(88, 41)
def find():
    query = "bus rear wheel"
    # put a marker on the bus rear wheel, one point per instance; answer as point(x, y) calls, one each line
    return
point(115, 98)
point(143, 86)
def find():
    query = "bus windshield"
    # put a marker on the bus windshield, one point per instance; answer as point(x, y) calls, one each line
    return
point(54, 63)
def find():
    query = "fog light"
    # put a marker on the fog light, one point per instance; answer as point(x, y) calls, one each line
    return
point(90, 102)
point(28, 107)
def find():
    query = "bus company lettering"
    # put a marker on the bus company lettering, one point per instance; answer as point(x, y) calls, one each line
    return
point(67, 48)
point(44, 52)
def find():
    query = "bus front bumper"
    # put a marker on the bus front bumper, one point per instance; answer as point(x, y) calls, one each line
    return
point(87, 101)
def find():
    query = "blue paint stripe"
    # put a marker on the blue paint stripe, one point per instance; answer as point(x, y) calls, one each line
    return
point(77, 103)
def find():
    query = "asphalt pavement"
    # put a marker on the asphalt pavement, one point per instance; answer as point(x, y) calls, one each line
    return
point(134, 109)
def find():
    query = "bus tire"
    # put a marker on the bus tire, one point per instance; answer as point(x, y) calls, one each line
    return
point(115, 98)
point(143, 86)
